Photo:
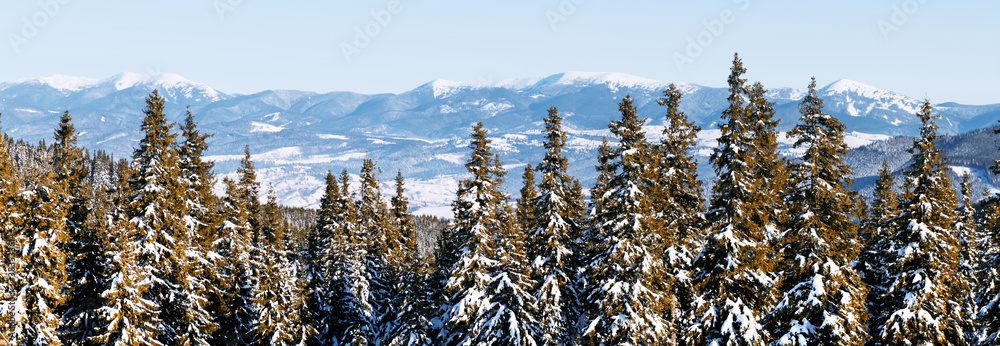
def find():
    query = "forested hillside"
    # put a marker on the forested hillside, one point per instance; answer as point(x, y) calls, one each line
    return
point(96, 250)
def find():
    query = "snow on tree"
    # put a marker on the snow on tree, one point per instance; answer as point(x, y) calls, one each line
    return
point(194, 324)
point(347, 257)
point(924, 297)
point(86, 246)
point(89, 274)
point(988, 292)
point(39, 265)
point(508, 318)
point(876, 240)
point(733, 289)
point(381, 245)
point(971, 241)
point(330, 220)
point(823, 299)
point(197, 177)
point(232, 294)
point(156, 208)
point(278, 296)
point(126, 317)
point(477, 208)
point(678, 198)
point(771, 169)
point(233, 255)
point(628, 295)
point(413, 327)
point(552, 242)
point(8, 188)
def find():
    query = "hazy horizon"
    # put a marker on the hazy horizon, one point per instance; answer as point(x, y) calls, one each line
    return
point(944, 51)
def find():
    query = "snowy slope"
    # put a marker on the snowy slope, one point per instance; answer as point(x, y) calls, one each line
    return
point(298, 135)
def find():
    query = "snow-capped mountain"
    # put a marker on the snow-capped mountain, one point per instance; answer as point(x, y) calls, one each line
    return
point(297, 136)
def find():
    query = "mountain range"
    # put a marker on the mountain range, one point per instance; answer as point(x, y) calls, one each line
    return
point(296, 136)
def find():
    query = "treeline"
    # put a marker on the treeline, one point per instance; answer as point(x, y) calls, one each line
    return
point(784, 253)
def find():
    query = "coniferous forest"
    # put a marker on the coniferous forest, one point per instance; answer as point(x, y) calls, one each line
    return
point(778, 251)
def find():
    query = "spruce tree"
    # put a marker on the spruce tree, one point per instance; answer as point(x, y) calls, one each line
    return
point(8, 187)
point(381, 245)
point(350, 291)
point(91, 266)
point(413, 327)
point(321, 236)
point(87, 271)
point(876, 240)
point(924, 293)
point(232, 296)
point(156, 207)
point(278, 295)
point(238, 269)
point(553, 232)
point(509, 318)
point(126, 318)
point(824, 298)
point(770, 169)
point(477, 210)
point(525, 207)
point(196, 174)
point(677, 197)
point(39, 267)
point(731, 274)
point(627, 302)
point(988, 292)
point(194, 324)
point(971, 242)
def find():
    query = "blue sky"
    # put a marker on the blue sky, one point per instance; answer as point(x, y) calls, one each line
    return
point(947, 51)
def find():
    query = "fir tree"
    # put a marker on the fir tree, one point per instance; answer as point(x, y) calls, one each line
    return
point(730, 275)
point(876, 238)
point(232, 296)
point(38, 269)
point(525, 204)
point(194, 324)
point(87, 262)
point(127, 318)
point(8, 187)
point(198, 179)
point(278, 296)
point(677, 198)
point(553, 231)
point(508, 318)
point(381, 245)
point(924, 295)
point(477, 210)
point(770, 169)
point(156, 208)
point(628, 301)
point(970, 241)
point(350, 291)
point(238, 269)
point(413, 327)
point(824, 298)
point(321, 236)
point(988, 292)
